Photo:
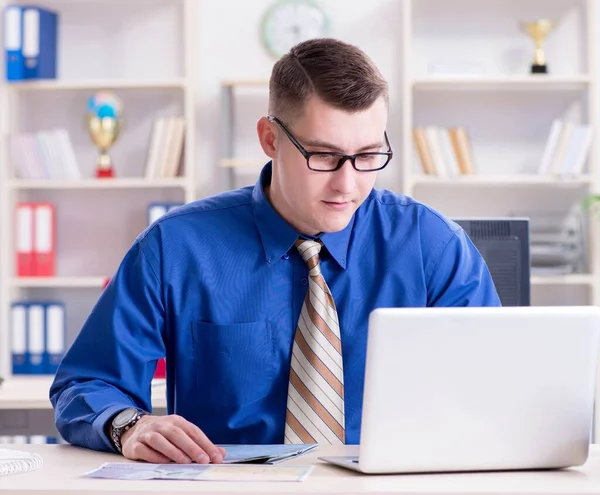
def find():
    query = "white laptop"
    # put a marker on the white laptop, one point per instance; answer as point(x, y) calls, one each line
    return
point(474, 389)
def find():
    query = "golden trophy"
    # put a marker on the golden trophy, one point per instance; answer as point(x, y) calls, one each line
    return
point(104, 120)
point(538, 30)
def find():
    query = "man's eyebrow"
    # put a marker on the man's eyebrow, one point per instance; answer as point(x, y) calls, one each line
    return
point(316, 143)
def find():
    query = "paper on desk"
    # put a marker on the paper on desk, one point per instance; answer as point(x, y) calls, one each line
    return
point(264, 454)
point(199, 472)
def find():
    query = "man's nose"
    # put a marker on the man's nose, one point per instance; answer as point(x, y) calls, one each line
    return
point(344, 178)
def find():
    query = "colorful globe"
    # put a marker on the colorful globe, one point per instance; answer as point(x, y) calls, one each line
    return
point(105, 104)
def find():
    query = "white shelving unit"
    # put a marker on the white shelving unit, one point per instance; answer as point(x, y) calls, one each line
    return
point(31, 392)
point(506, 111)
point(124, 183)
point(242, 103)
point(129, 49)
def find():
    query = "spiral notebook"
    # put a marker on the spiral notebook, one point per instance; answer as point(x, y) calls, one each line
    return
point(16, 461)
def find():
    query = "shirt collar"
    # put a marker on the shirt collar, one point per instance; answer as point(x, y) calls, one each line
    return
point(278, 236)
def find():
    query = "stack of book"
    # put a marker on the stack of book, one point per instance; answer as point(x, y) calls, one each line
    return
point(443, 152)
point(165, 149)
point(566, 150)
point(44, 155)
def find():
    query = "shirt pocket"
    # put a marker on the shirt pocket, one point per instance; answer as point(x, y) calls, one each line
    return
point(234, 363)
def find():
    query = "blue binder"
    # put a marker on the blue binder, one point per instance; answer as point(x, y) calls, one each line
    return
point(40, 42)
point(13, 43)
point(54, 331)
point(157, 209)
point(36, 338)
point(19, 346)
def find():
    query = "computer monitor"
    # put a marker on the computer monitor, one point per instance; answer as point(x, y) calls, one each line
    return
point(504, 245)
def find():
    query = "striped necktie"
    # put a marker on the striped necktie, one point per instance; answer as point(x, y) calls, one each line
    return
point(315, 404)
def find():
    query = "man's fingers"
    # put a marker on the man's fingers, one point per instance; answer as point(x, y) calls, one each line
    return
point(158, 442)
point(180, 439)
point(197, 435)
point(144, 453)
point(222, 450)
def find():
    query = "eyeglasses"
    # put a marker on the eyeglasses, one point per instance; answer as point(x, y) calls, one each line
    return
point(320, 161)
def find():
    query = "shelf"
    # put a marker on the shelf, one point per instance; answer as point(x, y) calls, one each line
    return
point(237, 163)
point(59, 282)
point(246, 82)
point(126, 183)
point(91, 84)
point(570, 279)
point(502, 180)
point(505, 83)
point(31, 392)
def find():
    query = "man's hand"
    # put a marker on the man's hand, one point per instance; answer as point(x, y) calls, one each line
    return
point(162, 439)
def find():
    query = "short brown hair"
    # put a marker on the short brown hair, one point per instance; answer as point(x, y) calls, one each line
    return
point(340, 74)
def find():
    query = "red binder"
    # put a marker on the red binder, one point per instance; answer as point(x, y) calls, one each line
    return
point(24, 235)
point(44, 240)
point(161, 369)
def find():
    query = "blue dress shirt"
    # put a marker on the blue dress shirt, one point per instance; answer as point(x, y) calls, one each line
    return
point(217, 286)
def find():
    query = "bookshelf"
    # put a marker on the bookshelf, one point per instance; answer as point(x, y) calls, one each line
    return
point(501, 83)
point(95, 184)
point(95, 84)
point(506, 112)
point(242, 103)
point(31, 393)
point(96, 219)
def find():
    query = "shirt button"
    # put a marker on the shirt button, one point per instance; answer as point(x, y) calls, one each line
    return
point(304, 281)
point(285, 257)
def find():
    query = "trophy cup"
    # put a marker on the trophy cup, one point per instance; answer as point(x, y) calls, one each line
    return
point(538, 30)
point(104, 124)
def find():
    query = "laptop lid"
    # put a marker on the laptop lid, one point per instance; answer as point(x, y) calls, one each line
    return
point(461, 389)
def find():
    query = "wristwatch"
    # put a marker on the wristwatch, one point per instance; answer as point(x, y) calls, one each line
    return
point(123, 422)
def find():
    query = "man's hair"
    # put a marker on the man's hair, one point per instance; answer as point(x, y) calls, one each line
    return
point(340, 74)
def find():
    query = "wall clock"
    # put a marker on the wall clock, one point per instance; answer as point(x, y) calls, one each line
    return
point(288, 22)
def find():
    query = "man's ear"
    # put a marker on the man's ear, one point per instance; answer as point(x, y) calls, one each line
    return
point(267, 137)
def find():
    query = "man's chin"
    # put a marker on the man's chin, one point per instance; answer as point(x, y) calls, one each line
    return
point(334, 223)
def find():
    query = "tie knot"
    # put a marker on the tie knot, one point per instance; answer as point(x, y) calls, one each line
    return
point(309, 250)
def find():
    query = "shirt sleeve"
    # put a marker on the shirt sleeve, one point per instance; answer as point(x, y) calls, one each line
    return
point(461, 277)
point(112, 361)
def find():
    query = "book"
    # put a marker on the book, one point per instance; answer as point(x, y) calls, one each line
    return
point(16, 461)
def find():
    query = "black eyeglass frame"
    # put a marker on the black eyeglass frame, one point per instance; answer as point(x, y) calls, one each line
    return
point(342, 157)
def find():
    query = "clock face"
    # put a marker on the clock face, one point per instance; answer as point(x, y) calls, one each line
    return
point(289, 22)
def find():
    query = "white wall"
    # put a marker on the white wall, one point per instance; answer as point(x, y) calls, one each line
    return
point(229, 47)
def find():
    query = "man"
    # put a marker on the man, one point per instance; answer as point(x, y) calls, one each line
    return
point(260, 297)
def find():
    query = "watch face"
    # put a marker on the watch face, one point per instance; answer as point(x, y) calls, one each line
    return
point(124, 417)
point(289, 22)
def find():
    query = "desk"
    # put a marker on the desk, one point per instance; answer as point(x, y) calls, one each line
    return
point(63, 465)
point(31, 392)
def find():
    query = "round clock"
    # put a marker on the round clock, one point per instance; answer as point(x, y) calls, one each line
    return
point(289, 22)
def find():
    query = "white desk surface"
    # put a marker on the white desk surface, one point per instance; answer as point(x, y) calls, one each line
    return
point(31, 392)
point(64, 465)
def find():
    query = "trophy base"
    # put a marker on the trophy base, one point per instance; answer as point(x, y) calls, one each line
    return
point(105, 168)
point(539, 69)
point(104, 173)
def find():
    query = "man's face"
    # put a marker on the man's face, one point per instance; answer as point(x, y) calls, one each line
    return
point(315, 202)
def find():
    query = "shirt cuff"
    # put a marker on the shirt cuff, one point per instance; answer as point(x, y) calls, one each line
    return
point(99, 424)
